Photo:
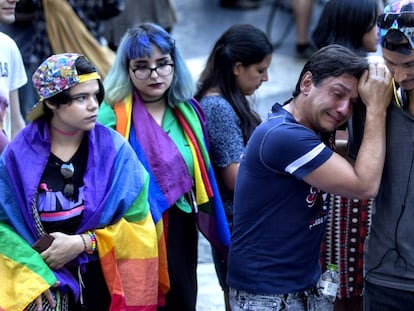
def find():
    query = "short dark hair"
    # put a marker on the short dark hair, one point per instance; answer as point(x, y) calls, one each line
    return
point(332, 61)
point(83, 66)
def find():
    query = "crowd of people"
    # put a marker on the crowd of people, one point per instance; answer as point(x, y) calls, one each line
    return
point(122, 160)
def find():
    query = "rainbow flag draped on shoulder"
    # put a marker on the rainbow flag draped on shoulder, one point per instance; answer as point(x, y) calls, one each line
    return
point(116, 210)
point(169, 175)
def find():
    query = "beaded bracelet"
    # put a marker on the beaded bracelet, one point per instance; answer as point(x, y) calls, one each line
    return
point(93, 242)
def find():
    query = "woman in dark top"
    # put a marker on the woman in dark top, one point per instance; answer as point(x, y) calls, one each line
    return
point(235, 69)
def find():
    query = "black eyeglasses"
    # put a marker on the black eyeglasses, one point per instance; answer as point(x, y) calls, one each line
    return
point(163, 70)
point(67, 171)
point(403, 19)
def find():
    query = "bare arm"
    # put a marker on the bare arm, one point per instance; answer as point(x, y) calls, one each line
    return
point(229, 175)
point(303, 14)
point(362, 180)
point(16, 119)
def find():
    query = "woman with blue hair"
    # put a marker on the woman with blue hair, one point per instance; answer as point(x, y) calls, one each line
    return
point(149, 101)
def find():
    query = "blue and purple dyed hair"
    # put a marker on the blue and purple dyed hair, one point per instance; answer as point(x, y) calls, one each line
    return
point(137, 43)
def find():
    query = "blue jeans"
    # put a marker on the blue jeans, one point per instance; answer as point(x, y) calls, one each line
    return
point(306, 300)
point(380, 298)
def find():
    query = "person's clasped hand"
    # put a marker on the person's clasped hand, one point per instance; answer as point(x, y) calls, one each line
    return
point(63, 249)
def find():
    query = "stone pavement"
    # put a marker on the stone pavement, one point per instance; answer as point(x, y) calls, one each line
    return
point(200, 23)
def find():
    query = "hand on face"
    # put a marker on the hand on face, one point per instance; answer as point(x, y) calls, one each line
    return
point(375, 86)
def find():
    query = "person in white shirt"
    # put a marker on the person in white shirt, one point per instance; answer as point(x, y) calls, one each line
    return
point(12, 72)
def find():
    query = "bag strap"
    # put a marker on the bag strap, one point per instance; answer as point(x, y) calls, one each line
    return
point(38, 224)
point(62, 299)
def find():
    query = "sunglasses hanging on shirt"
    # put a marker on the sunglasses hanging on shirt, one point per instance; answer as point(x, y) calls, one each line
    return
point(68, 170)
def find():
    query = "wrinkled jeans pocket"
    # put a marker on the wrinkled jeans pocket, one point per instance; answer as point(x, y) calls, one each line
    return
point(307, 300)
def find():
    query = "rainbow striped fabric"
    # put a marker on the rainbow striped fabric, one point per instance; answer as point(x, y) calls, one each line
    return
point(116, 201)
point(169, 176)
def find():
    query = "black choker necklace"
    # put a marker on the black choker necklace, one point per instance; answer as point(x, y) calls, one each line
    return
point(152, 101)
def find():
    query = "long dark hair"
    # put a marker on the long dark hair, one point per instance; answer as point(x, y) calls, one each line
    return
point(345, 22)
point(242, 43)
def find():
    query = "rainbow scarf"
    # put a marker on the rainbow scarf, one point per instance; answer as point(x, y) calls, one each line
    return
point(169, 175)
point(116, 200)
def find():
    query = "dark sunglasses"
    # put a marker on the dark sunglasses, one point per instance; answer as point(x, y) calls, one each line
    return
point(403, 19)
point(67, 171)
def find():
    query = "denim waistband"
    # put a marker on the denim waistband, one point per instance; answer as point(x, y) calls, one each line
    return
point(304, 293)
